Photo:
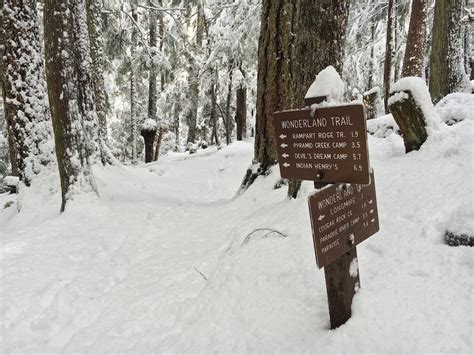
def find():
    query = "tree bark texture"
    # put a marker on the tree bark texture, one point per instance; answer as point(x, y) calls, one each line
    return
point(71, 94)
point(159, 139)
point(95, 27)
point(411, 120)
point(213, 114)
point(370, 102)
point(11, 141)
point(447, 73)
point(241, 112)
point(228, 123)
point(149, 135)
point(24, 87)
point(133, 84)
point(152, 79)
point(318, 44)
point(293, 48)
point(194, 79)
point(416, 40)
point(387, 67)
point(149, 138)
point(370, 82)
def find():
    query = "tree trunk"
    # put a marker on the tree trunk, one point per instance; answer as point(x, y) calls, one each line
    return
point(319, 43)
point(194, 79)
point(149, 138)
point(95, 27)
point(228, 126)
point(241, 112)
point(293, 48)
point(133, 84)
point(11, 139)
point(446, 61)
point(411, 120)
point(213, 115)
point(176, 126)
point(370, 83)
point(396, 39)
point(159, 139)
point(273, 80)
point(71, 95)
point(149, 134)
point(24, 87)
point(416, 40)
point(370, 100)
point(387, 67)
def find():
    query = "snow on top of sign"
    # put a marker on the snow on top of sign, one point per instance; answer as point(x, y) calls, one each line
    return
point(327, 83)
point(419, 90)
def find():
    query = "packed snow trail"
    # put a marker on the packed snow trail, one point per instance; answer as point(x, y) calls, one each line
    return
point(158, 263)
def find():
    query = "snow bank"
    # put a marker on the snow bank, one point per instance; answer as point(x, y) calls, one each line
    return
point(327, 83)
point(456, 107)
point(11, 181)
point(419, 90)
point(158, 263)
point(383, 126)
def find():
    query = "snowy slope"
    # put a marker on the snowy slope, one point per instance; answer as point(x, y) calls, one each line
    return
point(163, 260)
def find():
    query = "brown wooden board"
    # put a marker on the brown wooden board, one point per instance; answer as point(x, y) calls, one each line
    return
point(327, 145)
point(342, 216)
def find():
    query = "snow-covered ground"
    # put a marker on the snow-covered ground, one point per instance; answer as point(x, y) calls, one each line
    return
point(163, 260)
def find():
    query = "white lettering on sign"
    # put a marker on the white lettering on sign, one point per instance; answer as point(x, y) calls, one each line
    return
point(303, 145)
point(341, 121)
point(305, 123)
point(332, 139)
point(304, 135)
point(304, 165)
point(337, 197)
point(331, 245)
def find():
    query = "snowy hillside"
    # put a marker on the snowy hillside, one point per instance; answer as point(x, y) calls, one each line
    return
point(166, 261)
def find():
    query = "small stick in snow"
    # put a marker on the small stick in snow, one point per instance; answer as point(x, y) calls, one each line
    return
point(200, 273)
point(269, 231)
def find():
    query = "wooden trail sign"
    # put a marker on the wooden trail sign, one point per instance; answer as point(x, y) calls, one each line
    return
point(328, 144)
point(342, 216)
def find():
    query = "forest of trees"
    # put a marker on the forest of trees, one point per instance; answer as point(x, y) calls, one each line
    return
point(89, 82)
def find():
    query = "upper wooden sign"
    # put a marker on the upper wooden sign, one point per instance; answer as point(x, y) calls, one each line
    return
point(327, 144)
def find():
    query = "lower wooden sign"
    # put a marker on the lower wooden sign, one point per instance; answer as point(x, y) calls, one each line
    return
point(342, 216)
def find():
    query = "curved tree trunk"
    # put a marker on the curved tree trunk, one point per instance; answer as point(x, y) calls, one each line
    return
point(71, 94)
point(24, 87)
point(416, 40)
point(447, 73)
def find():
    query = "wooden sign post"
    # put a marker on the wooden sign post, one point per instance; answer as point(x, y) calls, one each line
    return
point(329, 145)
